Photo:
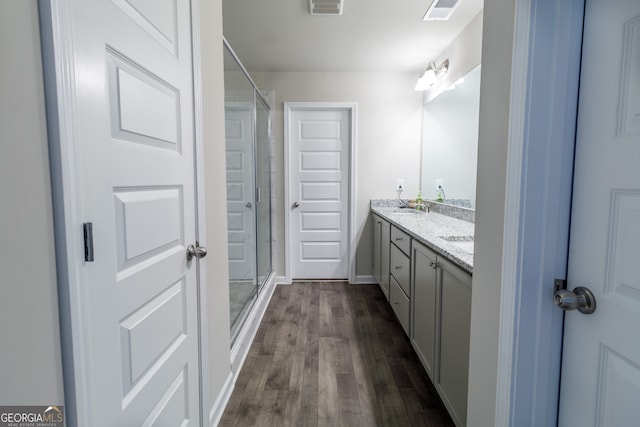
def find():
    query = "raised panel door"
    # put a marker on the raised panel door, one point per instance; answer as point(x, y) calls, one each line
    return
point(425, 303)
point(133, 142)
point(455, 327)
point(600, 384)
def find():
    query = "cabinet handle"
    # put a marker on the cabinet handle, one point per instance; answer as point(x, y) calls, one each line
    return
point(398, 267)
point(396, 303)
point(398, 239)
point(432, 264)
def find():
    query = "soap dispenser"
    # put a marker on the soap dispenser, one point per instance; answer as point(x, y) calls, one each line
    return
point(439, 194)
point(419, 203)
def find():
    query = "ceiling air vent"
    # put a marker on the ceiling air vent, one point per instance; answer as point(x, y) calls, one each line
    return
point(441, 10)
point(325, 7)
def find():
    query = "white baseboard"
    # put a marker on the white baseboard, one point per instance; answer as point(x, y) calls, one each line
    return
point(360, 280)
point(366, 280)
point(215, 414)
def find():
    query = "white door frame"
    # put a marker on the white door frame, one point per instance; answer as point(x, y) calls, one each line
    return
point(545, 75)
point(351, 107)
point(58, 64)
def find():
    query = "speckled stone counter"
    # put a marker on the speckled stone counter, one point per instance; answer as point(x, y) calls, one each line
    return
point(449, 237)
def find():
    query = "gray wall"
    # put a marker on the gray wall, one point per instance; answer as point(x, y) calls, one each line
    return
point(388, 139)
point(217, 271)
point(497, 45)
point(30, 359)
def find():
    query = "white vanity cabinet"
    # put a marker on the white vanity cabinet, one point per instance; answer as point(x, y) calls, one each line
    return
point(381, 246)
point(441, 307)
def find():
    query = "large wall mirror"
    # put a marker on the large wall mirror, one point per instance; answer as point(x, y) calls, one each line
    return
point(450, 142)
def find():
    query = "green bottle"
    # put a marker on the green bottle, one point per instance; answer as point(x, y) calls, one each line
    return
point(439, 194)
point(419, 200)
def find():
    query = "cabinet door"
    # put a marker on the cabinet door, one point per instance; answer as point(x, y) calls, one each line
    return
point(385, 243)
point(376, 247)
point(454, 339)
point(425, 307)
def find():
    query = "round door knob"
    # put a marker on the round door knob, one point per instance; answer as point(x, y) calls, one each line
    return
point(581, 299)
point(248, 204)
point(296, 204)
point(196, 252)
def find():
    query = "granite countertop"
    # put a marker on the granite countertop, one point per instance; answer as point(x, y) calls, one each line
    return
point(449, 237)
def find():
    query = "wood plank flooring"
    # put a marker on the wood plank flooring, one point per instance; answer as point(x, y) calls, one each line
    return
point(332, 354)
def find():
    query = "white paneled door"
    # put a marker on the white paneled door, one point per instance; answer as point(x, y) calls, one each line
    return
point(131, 103)
point(319, 147)
point(240, 192)
point(600, 383)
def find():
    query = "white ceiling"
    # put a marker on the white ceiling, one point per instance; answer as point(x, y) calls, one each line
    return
point(371, 35)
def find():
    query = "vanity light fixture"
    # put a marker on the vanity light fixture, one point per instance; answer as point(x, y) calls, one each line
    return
point(431, 75)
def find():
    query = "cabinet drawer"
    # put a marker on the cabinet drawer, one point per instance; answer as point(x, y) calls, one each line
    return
point(401, 240)
point(400, 304)
point(400, 268)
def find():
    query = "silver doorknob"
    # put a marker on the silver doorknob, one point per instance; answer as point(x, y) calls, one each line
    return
point(196, 251)
point(581, 299)
point(248, 204)
point(296, 204)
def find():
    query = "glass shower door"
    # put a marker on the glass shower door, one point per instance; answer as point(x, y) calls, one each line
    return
point(263, 181)
point(248, 163)
point(241, 209)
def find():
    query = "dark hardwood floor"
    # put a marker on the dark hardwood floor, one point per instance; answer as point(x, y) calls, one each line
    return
point(332, 354)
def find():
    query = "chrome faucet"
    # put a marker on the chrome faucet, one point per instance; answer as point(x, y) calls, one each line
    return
point(422, 207)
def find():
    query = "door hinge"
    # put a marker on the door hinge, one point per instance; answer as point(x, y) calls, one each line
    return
point(88, 241)
point(559, 284)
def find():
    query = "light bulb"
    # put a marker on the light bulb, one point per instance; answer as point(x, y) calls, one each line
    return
point(426, 80)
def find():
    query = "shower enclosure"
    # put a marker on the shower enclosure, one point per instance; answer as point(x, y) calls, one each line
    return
point(248, 162)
